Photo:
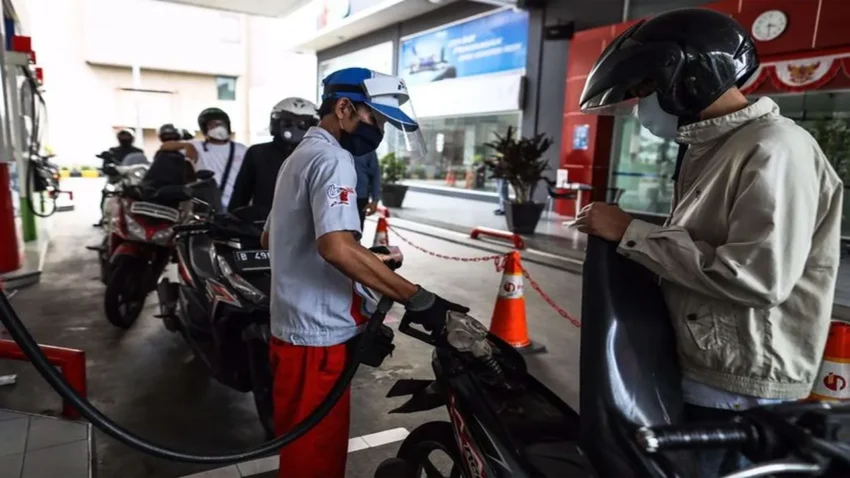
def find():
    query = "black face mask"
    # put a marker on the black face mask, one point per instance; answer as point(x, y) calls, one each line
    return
point(364, 140)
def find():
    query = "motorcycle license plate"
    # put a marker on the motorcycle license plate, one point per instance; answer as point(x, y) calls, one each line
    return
point(252, 260)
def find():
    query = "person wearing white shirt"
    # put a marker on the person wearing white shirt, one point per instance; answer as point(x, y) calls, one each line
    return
point(217, 152)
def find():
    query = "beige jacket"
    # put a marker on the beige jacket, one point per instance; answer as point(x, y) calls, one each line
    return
point(749, 256)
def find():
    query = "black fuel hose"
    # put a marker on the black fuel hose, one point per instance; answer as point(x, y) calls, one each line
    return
point(30, 348)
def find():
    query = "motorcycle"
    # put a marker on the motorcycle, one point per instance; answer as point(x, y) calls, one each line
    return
point(505, 423)
point(129, 172)
point(118, 179)
point(221, 303)
point(139, 243)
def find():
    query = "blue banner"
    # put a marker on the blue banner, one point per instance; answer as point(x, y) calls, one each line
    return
point(489, 44)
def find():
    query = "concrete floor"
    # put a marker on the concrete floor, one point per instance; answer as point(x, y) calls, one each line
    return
point(145, 379)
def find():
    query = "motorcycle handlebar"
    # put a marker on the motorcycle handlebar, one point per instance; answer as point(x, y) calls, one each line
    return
point(663, 438)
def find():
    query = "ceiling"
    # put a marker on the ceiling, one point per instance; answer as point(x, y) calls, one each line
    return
point(266, 8)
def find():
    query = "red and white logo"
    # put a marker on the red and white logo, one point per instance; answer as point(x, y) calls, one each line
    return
point(340, 195)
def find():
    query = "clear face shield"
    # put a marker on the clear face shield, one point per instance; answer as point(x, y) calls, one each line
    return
point(391, 105)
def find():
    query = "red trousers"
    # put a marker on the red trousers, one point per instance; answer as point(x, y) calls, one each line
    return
point(303, 376)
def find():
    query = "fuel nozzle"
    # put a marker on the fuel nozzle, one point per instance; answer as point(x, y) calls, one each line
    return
point(466, 334)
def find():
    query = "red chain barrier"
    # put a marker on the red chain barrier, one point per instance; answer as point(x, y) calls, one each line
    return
point(499, 261)
point(559, 310)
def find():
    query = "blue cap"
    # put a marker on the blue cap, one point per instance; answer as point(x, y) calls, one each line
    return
point(351, 83)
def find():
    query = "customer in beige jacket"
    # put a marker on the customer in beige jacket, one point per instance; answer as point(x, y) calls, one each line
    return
point(749, 255)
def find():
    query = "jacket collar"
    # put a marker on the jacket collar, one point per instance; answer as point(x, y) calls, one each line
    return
point(712, 129)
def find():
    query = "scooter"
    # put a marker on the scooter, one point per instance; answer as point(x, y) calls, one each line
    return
point(130, 172)
point(139, 244)
point(505, 423)
point(118, 179)
point(221, 303)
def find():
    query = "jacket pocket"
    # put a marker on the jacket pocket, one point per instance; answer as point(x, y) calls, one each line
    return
point(711, 325)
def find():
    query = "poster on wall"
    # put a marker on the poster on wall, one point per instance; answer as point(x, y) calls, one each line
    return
point(493, 43)
point(580, 133)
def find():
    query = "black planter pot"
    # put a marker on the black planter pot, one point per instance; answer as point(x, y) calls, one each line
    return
point(392, 195)
point(523, 218)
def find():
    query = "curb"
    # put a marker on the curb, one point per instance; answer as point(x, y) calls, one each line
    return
point(80, 173)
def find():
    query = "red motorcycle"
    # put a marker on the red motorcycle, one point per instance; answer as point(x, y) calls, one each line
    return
point(139, 246)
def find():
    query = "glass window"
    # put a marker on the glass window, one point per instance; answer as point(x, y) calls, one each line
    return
point(642, 165)
point(826, 114)
point(226, 88)
point(456, 145)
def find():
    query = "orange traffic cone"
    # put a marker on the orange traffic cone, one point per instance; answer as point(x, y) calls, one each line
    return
point(833, 381)
point(450, 178)
point(508, 321)
point(381, 238)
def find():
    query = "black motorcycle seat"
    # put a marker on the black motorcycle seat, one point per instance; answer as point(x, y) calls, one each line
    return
point(630, 374)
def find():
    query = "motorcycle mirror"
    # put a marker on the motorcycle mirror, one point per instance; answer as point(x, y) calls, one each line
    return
point(204, 174)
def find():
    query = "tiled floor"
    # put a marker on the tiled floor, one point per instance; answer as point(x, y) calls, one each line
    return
point(36, 447)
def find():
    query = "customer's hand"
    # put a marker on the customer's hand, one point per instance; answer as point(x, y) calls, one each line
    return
point(604, 220)
point(430, 310)
point(371, 208)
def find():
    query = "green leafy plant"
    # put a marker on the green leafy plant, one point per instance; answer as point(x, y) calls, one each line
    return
point(393, 169)
point(833, 136)
point(519, 161)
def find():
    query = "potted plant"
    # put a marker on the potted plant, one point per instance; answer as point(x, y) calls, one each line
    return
point(833, 136)
point(393, 170)
point(519, 161)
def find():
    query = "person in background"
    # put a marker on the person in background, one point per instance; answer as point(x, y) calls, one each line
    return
point(217, 152)
point(125, 146)
point(186, 135)
point(169, 167)
point(368, 184)
point(749, 256)
point(502, 191)
point(289, 121)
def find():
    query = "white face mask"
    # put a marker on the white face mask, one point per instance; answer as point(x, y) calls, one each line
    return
point(656, 120)
point(219, 133)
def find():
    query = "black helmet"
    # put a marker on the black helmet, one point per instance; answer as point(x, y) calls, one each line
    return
point(186, 135)
point(168, 132)
point(125, 135)
point(210, 114)
point(689, 57)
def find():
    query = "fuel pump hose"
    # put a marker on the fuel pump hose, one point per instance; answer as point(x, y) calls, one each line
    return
point(30, 348)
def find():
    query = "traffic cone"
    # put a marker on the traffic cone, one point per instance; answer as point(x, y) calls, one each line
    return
point(381, 237)
point(833, 382)
point(508, 321)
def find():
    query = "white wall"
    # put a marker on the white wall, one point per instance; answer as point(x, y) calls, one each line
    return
point(275, 73)
point(163, 36)
point(84, 100)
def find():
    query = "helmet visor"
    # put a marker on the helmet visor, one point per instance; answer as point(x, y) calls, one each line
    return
point(390, 102)
point(628, 70)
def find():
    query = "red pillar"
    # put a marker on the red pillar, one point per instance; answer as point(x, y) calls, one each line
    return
point(10, 257)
